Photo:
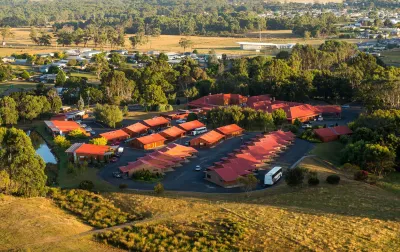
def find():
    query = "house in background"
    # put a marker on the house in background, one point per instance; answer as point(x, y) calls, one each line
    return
point(172, 133)
point(115, 136)
point(157, 123)
point(208, 139)
point(230, 131)
point(63, 127)
point(88, 152)
point(149, 142)
point(136, 129)
point(190, 126)
point(332, 134)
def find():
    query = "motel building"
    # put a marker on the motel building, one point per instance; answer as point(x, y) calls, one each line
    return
point(80, 152)
point(115, 136)
point(148, 142)
point(136, 129)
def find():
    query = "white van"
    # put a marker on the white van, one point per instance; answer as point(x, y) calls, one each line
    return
point(198, 131)
point(273, 176)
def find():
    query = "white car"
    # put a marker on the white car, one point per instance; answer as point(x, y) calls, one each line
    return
point(180, 121)
point(306, 126)
point(83, 125)
point(198, 168)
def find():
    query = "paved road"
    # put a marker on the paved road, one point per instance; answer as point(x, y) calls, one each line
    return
point(185, 178)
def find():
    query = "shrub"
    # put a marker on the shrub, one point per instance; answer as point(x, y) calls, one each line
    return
point(192, 117)
point(361, 175)
point(313, 179)
point(62, 142)
point(99, 141)
point(77, 133)
point(290, 127)
point(146, 175)
point(297, 123)
point(159, 188)
point(86, 185)
point(92, 208)
point(333, 179)
point(295, 176)
point(350, 167)
point(344, 139)
point(123, 186)
point(309, 136)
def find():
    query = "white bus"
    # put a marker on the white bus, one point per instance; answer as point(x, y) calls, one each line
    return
point(273, 175)
point(198, 131)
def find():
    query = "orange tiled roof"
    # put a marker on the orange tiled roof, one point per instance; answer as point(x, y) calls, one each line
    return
point(172, 132)
point(66, 125)
point(92, 149)
point(211, 137)
point(229, 129)
point(156, 121)
point(115, 134)
point(188, 126)
point(137, 127)
point(151, 139)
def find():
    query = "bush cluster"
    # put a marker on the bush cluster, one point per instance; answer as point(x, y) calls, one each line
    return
point(333, 179)
point(309, 136)
point(295, 176)
point(313, 179)
point(92, 208)
point(146, 175)
point(222, 235)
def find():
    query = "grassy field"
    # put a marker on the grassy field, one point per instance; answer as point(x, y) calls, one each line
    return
point(37, 224)
point(391, 57)
point(329, 151)
point(349, 216)
point(167, 43)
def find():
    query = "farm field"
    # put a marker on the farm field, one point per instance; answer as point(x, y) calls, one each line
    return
point(170, 43)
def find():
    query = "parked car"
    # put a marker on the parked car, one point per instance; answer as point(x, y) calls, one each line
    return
point(346, 106)
point(83, 125)
point(114, 159)
point(92, 133)
point(198, 168)
point(117, 174)
point(180, 121)
point(78, 121)
point(320, 118)
point(306, 126)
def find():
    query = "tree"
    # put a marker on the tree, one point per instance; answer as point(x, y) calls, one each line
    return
point(6, 32)
point(81, 103)
point(61, 78)
point(62, 142)
point(115, 84)
point(185, 43)
point(159, 188)
point(191, 92)
point(100, 63)
point(108, 114)
point(76, 133)
point(8, 110)
point(99, 141)
point(191, 117)
point(138, 39)
point(248, 183)
point(54, 100)
point(30, 107)
point(378, 159)
point(25, 75)
point(24, 167)
point(279, 116)
point(295, 176)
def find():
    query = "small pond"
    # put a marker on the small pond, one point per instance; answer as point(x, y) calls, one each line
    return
point(42, 148)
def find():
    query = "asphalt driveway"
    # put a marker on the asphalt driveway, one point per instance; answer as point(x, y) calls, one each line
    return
point(185, 178)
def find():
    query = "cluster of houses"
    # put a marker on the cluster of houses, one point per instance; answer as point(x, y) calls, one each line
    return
point(160, 161)
point(251, 157)
point(294, 110)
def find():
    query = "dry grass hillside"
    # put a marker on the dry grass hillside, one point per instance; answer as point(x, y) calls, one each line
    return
point(37, 224)
point(350, 216)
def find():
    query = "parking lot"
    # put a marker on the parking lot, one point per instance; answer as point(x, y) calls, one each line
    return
point(185, 178)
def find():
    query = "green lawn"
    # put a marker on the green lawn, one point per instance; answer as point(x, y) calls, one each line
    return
point(328, 151)
point(391, 182)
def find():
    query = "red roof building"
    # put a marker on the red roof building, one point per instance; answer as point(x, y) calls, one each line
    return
point(218, 100)
point(172, 133)
point(157, 122)
point(190, 126)
point(88, 152)
point(208, 139)
point(332, 134)
point(149, 142)
point(63, 127)
point(229, 131)
point(136, 129)
point(115, 135)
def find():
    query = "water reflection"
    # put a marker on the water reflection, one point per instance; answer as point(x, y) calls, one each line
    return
point(42, 148)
